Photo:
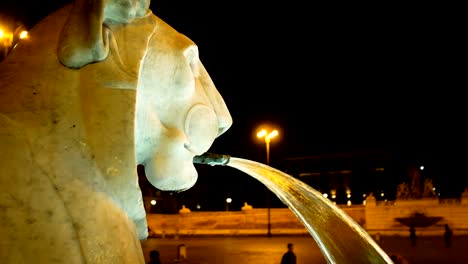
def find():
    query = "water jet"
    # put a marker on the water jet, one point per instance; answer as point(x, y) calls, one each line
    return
point(338, 236)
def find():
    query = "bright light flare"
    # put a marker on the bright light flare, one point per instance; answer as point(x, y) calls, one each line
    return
point(23, 34)
point(273, 134)
point(263, 133)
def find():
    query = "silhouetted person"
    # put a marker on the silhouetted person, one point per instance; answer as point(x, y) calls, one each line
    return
point(378, 238)
point(448, 236)
point(289, 257)
point(412, 235)
point(154, 257)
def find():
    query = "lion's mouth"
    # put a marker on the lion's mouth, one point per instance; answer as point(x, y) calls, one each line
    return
point(170, 167)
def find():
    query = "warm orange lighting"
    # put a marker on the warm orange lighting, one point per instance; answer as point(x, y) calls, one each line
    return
point(268, 136)
point(273, 134)
point(23, 34)
point(10, 38)
point(263, 133)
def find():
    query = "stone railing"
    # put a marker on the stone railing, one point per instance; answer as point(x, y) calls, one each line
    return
point(382, 217)
point(245, 222)
point(375, 217)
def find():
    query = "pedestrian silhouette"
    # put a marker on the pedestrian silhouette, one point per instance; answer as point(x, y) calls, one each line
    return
point(413, 236)
point(289, 257)
point(378, 238)
point(448, 236)
point(154, 257)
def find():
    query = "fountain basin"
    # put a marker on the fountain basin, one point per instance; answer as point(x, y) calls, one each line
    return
point(419, 220)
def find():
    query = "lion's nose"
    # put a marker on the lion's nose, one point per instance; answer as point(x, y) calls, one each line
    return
point(224, 123)
point(224, 119)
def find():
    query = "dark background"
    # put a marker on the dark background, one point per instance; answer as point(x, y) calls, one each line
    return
point(333, 78)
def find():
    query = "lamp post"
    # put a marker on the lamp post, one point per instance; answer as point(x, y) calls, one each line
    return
point(268, 136)
point(228, 201)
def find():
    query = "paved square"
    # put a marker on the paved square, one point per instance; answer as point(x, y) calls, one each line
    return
point(259, 250)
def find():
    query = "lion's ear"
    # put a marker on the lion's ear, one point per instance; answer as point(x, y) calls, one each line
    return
point(83, 39)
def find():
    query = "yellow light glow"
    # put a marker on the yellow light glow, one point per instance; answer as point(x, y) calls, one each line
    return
point(23, 34)
point(273, 134)
point(267, 135)
point(2, 33)
point(261, 133)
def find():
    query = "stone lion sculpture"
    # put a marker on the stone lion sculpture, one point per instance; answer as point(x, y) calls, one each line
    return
point(101, 87)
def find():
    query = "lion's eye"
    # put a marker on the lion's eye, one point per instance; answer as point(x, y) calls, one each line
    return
point(191, 53)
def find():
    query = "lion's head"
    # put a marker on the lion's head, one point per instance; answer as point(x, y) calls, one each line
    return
point(179, 112)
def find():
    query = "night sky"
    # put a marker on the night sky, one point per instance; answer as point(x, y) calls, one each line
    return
point(334, 78)
point(331, 77)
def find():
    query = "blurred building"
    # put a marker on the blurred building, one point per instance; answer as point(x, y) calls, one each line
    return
point(347, 178)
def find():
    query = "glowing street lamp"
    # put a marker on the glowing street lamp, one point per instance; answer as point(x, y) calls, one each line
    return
point(228, 201)
point(23, 34)
point(268, 136)
point(7, 38)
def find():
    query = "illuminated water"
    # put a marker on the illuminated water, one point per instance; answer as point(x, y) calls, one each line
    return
point(338, 236)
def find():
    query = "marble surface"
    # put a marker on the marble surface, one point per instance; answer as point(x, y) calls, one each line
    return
point(78, 113)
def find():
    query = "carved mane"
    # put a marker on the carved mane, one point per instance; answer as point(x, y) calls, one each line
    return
point(85, 36)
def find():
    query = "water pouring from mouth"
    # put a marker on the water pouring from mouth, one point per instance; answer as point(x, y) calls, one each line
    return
point(338, 236)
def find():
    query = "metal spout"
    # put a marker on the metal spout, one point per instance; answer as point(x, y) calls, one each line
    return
point(212, 159)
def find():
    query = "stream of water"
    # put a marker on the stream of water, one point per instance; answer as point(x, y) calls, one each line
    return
point(339, 237)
